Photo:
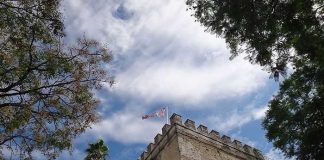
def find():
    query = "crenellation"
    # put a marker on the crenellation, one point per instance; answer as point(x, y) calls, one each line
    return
point(202, 129)
point(157, 138)
point(237, 144)
point(175, 119)
point(226, 139)
point(214, 135)
point(165, 129)
point(176, 129)
point(150, 147)
point(257, 153)
point(144, 155)
point(248, 149)
point(190, 124)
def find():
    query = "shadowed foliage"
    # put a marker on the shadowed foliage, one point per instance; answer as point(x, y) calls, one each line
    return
point(276, 34)
point(97, 151)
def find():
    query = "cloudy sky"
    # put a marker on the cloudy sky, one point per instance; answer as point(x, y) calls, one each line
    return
point(164, 58)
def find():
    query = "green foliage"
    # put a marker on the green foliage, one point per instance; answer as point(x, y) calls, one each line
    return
point(97, 151)
point(265, 30)
point(295, 120)
point(45, 86)
point(275, 34)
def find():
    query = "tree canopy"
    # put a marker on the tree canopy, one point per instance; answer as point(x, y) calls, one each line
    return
point(46, 86)
point(97, 151)
point(277, 34)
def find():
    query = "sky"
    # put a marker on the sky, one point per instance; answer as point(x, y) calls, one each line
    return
point(162, 57)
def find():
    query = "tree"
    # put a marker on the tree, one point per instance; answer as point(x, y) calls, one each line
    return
point(295, 120)
point(97, 151)
point(276, 34)
point(46, 97)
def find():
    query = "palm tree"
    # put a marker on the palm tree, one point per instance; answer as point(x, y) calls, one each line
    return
point(97, 151)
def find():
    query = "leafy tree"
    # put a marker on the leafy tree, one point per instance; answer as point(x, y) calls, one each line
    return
point(276, 34)
point(46, 96)
point(97, 151)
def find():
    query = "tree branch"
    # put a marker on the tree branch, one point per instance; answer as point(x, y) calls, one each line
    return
point(22, 78)
point(10, 104)
point(48, 86)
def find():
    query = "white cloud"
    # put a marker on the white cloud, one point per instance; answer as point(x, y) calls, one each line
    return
point(183, 82)
point(275, 154)
point(127, 127)
point(237, 118)
point(259, 113)
point(162, 53)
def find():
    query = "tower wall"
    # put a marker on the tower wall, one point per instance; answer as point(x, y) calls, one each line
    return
point(186, 142)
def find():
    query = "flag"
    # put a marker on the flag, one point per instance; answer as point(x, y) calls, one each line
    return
point(159, 114)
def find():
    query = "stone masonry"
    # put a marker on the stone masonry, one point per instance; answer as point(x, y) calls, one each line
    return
point(186, 142)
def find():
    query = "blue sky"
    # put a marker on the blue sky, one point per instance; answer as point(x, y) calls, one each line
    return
point(162, 57)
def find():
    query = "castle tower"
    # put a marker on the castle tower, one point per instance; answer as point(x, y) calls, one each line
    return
point(186, 142)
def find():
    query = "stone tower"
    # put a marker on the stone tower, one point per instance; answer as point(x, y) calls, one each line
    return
point(186, 142)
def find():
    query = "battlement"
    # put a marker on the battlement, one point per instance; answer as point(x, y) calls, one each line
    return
point(189, 130)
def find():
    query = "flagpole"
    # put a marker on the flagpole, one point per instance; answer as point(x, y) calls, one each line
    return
point(167, 115)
